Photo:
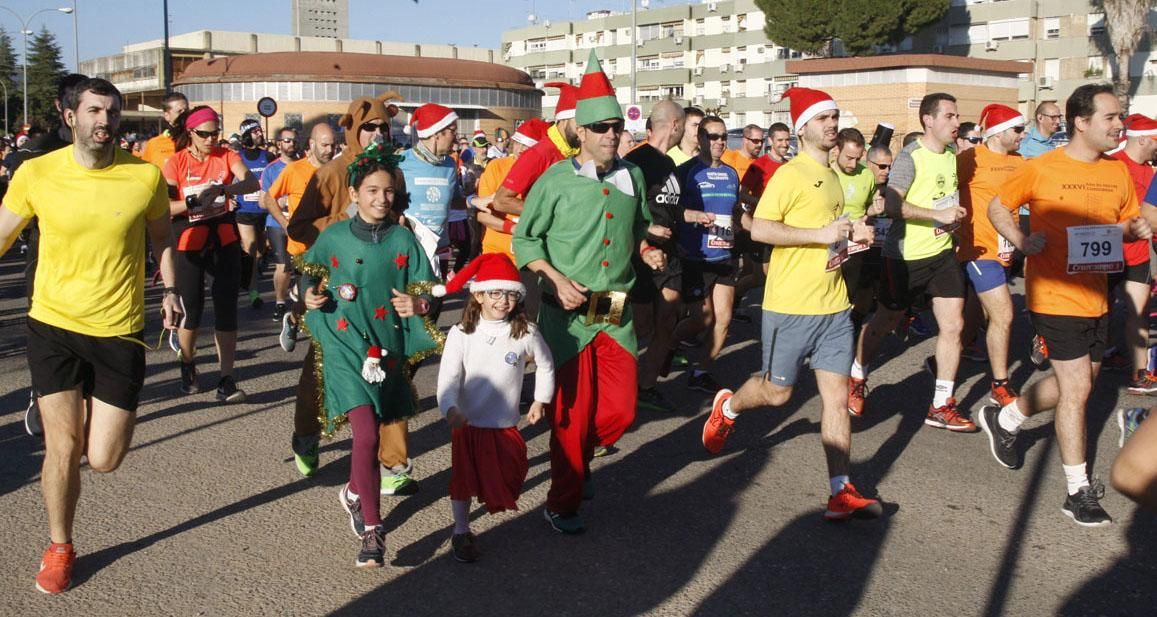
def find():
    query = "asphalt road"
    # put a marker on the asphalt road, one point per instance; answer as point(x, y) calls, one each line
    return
point(208, 516)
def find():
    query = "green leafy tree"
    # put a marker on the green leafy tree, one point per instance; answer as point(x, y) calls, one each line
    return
point(45, 70)
point(861, 25)
point(9, 77)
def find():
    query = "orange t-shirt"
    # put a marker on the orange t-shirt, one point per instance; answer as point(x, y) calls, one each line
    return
point(980, 173)
point(159, 150)
point(494, 241)
point(737, 160)
point(291, 182)
point(1062, 192)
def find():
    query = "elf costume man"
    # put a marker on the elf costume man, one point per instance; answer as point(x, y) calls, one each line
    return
point(583, 220)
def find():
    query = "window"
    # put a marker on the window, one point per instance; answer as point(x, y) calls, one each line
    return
point(1096, 23)
point(1053, 68)
point(650, 32)
point(649, 63)
point(672, 60)
point(1052, 28)
point(672, 29)
point(536, 45)
point(674, 92)
point(1096, 67)
point(958, 35)
point(1008, 29)
point(699, 28)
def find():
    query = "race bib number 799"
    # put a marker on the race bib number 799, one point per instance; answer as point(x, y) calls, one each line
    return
point(1095, 248)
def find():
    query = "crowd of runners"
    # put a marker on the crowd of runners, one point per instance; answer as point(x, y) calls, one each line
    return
point(590, 268)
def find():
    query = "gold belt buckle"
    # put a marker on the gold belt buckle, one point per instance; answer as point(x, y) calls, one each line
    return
point(614, 314)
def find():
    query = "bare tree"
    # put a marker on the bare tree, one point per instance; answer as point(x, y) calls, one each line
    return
point(1126, 21)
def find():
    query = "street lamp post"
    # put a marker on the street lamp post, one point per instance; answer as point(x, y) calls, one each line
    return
point(5, 106)
point(25, 31)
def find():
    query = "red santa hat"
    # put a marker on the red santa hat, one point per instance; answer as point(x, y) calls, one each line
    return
point(567, 99)
point(997, 118)
point(807, 104)
point(531, 132)
point(1138, 125)
point(486, 272)
point(431, 118)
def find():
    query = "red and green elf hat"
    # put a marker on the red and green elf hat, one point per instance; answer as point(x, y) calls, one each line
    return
point(596, 96)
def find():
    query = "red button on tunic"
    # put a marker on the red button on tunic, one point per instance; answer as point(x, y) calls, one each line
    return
point(606, 191)
point(610, 216)
point(606, 241)
point(606, 263)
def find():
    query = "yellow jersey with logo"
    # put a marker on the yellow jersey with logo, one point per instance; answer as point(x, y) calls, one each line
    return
point(859, 188)
point(927, 180)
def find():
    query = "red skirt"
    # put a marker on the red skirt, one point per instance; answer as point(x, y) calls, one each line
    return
point(490, 464)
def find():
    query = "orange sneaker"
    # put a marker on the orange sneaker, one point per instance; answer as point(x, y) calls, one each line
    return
point(56, 568)
point(946, 417)
point(1002, 395)
point(849, 503)
point(718, 426)
point(857, 392)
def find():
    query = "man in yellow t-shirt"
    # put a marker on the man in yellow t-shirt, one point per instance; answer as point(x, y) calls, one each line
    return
point(688, 147)
point(94, 203)
point(920, 260)
point(805, 304)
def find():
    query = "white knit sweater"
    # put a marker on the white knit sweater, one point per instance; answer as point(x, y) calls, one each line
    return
point(481, 373)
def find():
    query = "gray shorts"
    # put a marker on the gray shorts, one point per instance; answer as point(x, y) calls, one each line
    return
point(787, 339)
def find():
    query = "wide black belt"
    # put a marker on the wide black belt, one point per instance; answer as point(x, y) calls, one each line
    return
point(599, 307)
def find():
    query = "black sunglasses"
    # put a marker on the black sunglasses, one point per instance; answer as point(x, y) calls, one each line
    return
point(881, 166)
point(1018, 129)
point(974, 140)
point(754, 140)
point(603, 127)
point(370, 127)
point(716, 136)
point(207, 134)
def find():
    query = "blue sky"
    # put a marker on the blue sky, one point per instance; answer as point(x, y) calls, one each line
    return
point(107, 25)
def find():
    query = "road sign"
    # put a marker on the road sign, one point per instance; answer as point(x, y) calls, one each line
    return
point(267, 106)
point(635, 122)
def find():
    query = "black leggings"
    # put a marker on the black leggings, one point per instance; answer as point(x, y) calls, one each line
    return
point(223, 263)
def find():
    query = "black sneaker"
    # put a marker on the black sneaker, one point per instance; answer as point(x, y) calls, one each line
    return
point(1001, 442)
point(649, 398)
point(463, 547)
point(189, 378)
point(228, 392)
point(352, 507)
point(373, 551)
point(703, 383)
point(278, 312)
point(32, 422)
point(1085, 506)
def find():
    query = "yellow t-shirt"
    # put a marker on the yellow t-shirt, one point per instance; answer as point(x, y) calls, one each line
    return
point(859, 190)
point(806, 195)
point(676, 153)
point(927, 180)
point(91, 271)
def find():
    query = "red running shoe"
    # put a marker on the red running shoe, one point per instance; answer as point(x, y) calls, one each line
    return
point(1002, 395)
point(849, 503)
point(857, 392)
point(946, 417)
point(718, 427)
point(55, 573)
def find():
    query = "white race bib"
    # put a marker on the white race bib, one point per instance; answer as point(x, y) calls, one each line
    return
point(1095, 248)
point(951, 200)
point(837, 252)
point(720, 235)
point(883, 226)
point(1004, 248)
point(217, 208)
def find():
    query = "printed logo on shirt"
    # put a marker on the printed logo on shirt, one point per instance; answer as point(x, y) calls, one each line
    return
point(669, 194)
point(433, 194)
point(717, 175)
point(511, 358)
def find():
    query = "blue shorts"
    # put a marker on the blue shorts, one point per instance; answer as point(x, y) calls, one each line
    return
point(985, 274)
point(829, 340)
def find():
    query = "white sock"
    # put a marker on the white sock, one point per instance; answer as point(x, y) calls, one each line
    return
point(727, 413)
point(1075, 477)
point(837, 483)
point(349, 492)
point(1010, 418)
point(944, 389)
point(461, 511)
point(858, 370)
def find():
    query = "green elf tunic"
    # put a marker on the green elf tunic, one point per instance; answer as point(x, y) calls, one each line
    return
point(587, 227)
point(360, 264)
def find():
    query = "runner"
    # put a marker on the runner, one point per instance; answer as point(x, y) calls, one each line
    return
point(280, 200)
point(983, 254)
point(709, 192)
point(968, 137)
point(919, 259)
point(433, 182)
point(202, 176)
point(85, 326)
point(562, 143)
point(587, 263)
point(250, 214)
point(741, 158)
point(688, 147)
point(1132, 353)
point(1038, 141)
point(159, 149)
point(274, 229)
point(860, 200)
point(805, 305)
point(1083, 205)
point(1134, 472)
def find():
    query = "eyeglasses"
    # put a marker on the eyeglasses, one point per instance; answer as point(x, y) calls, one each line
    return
point(371, 127)
point(603, 127)
point(498, 294)
point(1018, 129)
point(754, 140)
point(286, 140)
point(1054, 118)
point(716, 136)
point(207, 134)
point(879, 165)
point(973, 140)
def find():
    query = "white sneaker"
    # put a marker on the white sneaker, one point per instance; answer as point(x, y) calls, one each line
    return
point(288, 337)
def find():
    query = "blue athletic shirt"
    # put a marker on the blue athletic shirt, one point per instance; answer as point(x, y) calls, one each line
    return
point(268, 177)
point(709, 189)
point(251, 202)
point(431, 188)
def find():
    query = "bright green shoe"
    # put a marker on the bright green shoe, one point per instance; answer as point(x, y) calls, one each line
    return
point(399, 483)
point(307, 464)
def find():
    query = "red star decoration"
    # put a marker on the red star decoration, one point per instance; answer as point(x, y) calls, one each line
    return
point(333, 260)
point(402, 260)
point(342, 324)
point(380, 312)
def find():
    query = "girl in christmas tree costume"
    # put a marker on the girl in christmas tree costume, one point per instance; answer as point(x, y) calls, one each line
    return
point(367, 330)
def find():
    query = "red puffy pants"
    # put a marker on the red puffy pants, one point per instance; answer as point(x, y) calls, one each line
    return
point(594, 404)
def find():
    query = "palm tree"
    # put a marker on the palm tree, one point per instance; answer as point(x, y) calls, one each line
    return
point(1126, 21)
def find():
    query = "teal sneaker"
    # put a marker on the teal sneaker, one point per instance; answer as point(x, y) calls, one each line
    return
point(307, 464)
point(570, 525)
